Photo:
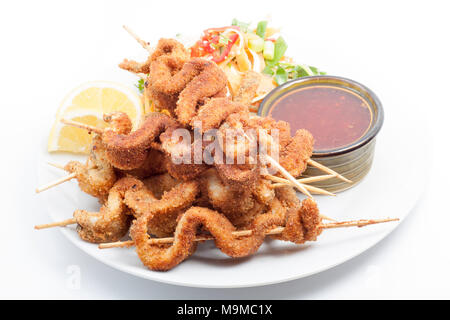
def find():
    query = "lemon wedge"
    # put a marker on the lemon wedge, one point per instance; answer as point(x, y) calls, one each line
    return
point(87, 104)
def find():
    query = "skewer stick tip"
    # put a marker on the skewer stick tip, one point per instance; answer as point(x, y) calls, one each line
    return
point(56, 224)
point(356, 223)
point(285, 173)
point(55, 183)
point(143, 43)
point(328, 170)
point(56, 165)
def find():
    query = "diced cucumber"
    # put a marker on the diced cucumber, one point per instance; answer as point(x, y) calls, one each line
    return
point(269, 50)
point(256, 45)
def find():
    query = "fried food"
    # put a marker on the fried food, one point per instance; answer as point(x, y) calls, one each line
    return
point(161, 100)
point(159, 184)
point(97, 176)
point(270, 125)
point(295, 155)
point(294, 152)
point(182, 163)
point(287, 196)
point(163, 258)
point(239, 175)
point(173, 49)
point(302, 223)
point(237, 163)
point(129, 151)
point(185, 172)
point(179, 85)
point(248, 88)
point(237, 204)
point(154, 164)
point(119, 122)
point(112, 222)
point(165, 47)
point(206, 79)
point(167, 197)
point(263, 191)
point(214, 112)
point(136, 67)
point(161, 215)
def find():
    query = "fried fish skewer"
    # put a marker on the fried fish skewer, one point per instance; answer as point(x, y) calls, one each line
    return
point(129, 196)
point(265, 156)
point(275, 231)
point(310, 161)
point(95, 177)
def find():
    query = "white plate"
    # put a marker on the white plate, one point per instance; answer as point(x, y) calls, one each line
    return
point(390, 190)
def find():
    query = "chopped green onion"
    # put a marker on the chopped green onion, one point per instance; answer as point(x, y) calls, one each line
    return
point(314, 70)
point(268, 70)
point(261, 29)
point(256, 45)
point(243, 25)
point(302, 72)
point(281, 76)
point(224, 39)
point(269, 50)
point(279, 50)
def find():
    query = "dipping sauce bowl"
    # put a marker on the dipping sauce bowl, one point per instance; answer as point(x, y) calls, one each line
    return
point(343, 116)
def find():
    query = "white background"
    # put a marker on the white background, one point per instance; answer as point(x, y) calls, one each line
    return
point(398, 49)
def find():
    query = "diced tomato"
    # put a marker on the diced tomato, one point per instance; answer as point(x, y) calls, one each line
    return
point(209, 44)
point(233, 38)
point(197, 50)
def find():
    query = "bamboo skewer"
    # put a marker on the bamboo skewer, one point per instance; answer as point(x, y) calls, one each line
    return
point(356, 223)
point(82, 126)
point(56, 165)
point(56, 224)
point(324, 217)
point(243, 233)
point(143, 43)
point(55, 183)
point(285, 173)
point(67, 222)
point(327, 170)
point(289, 182)
point(316, 178)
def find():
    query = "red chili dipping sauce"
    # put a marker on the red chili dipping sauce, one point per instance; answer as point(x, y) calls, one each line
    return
point(336, 117)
